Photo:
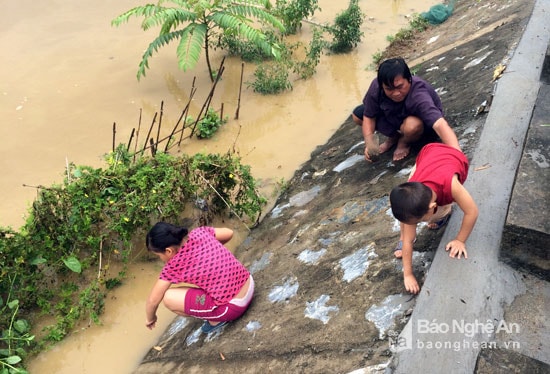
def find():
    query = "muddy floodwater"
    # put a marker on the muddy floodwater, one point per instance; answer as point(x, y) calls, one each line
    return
point(67, 76)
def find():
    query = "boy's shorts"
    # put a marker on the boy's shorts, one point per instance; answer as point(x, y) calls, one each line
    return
point(200, 305)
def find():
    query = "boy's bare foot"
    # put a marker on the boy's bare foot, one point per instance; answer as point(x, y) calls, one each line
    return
point(401, 151)
point(384, 147)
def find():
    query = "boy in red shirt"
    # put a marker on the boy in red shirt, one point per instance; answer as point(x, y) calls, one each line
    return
point(435, 183)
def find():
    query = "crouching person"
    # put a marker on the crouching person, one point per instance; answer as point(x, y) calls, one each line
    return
point(436, 182)
point(221, 288)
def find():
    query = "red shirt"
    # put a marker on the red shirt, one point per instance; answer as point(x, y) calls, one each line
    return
point(436, 164)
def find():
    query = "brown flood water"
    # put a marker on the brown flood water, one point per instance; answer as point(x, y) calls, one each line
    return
point(69, 76)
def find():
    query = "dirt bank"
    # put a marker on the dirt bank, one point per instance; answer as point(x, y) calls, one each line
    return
point(328, 291)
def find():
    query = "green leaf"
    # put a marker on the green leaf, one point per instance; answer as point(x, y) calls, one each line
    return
point(12, 360)
point(77, 173)
point(73, 264)
point(38, 260)
point(21, 326)
point(190, 46)
point(12, 304)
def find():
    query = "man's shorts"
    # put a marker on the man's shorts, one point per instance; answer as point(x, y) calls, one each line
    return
point(382, 126)
point(387, 129)
point(200, 305)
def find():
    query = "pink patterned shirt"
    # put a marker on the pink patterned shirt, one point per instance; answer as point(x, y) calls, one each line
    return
point(204, 262)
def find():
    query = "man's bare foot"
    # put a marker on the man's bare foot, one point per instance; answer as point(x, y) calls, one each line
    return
point(384, 147)
point(401, 151)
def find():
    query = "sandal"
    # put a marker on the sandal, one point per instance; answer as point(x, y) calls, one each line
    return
point(207, 328)
point(399, 247)
point(439, 224)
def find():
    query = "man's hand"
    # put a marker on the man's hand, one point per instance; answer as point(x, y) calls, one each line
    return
point(411, 284)
point(368, 155)
point(456, 248)
point(372, 148)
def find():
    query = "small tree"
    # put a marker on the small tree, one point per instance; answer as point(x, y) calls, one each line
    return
point(346, 30)
point(292, 12)
point(200, 19)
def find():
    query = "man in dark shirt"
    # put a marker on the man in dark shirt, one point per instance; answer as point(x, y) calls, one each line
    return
point(403, 108)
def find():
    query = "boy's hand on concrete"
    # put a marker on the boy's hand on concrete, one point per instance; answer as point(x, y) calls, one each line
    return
point(456, 248)
point(411, 284)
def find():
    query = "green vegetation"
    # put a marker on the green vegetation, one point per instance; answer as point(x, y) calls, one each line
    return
point(209, 124)
point(292, 13)
point(251, 29)
point(58, 264)
point(346, 31)
point(271, 78)
point(203, 22)
point(416, 25)
point(307, 68)
point(237, 46)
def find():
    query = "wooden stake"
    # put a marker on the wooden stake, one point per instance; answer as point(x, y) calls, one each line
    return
point(114, 135)
point(240, 90)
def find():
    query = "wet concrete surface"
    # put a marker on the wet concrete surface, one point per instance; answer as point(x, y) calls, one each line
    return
point(329, 294)
point(527, 231)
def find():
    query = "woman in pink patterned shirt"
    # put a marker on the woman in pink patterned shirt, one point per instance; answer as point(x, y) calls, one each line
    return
point(218, 287)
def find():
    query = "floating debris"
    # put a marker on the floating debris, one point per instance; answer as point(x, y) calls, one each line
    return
point(318, 309)
point(357, 263)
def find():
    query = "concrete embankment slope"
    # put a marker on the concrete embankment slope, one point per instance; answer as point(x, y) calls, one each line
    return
point(461, 308)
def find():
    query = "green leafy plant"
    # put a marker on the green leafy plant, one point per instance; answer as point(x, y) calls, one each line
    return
point(209, 124)
point(271, 78)
point(293, 12)
point(239, 46)
point(307, 68)
point(199, 21)
point(16, 336)
point(417, 24)
point(346, 31)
